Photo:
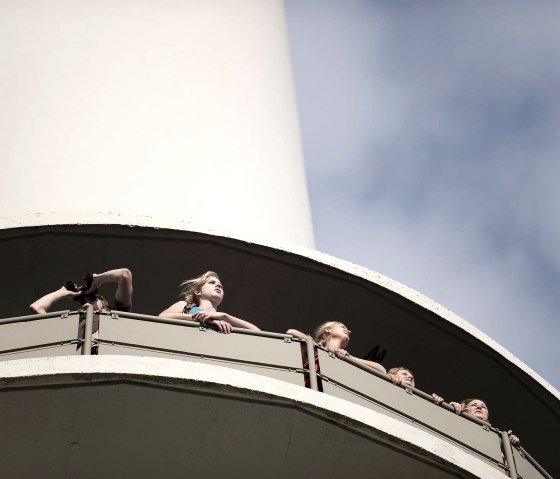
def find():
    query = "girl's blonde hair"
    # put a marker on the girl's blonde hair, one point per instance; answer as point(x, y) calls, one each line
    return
point(319, 335)
point(189, 286)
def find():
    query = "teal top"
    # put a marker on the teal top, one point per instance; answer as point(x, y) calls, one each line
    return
point(188, 309)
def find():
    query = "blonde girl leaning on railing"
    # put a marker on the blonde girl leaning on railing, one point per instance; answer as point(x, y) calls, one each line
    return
point(201, 297)
point(335, 336)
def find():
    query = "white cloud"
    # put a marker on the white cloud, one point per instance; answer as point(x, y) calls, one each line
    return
point(430, 136)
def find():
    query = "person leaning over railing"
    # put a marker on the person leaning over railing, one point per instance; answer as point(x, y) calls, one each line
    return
point(401, 375)
point(88, 297)
point(477, 408)
point(335, 336)
point(201, 297)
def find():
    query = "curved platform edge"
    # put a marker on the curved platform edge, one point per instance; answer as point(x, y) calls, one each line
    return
point(217, 380)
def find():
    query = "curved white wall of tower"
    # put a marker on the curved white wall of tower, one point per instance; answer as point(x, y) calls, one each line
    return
point(175, 110)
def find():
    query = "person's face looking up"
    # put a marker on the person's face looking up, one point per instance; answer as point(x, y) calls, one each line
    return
point(212, 290)
point(406, 376)
point(478, 409)
point(339, 330)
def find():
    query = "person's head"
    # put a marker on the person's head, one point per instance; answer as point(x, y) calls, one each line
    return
point(206, 286)
point(99, 303)
point(331, 330)
point(476, 408)
point(404, 373)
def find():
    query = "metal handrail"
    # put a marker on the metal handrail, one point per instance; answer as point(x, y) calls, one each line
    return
point(506, 447)
point(311, 369)
point(34, 317)
point(286, 338)
point(310, 345)
point(192, 324)
point(88, 331)
point(534, 463)
point(416, 392)
point(312, 365)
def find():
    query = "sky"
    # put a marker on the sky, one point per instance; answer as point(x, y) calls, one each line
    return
point(430, 136)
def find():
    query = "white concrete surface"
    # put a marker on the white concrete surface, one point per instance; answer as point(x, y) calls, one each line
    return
point(72, 369)
point(181, 111)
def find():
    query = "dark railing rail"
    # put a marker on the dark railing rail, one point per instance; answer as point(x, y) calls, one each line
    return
point(275, 355)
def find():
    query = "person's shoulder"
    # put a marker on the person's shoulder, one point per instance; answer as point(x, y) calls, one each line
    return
point(121, 307)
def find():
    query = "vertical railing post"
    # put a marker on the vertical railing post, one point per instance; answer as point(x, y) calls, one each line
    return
point(506, 445)
point(311, 364)
point(88, 332)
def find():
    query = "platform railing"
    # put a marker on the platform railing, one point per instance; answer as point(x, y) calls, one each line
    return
point(269, 354)
point(275, 355)
point(39, 335)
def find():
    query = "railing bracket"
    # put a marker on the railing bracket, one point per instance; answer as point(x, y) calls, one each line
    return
point(64, 316)
point(287, 340)
point(114, 316)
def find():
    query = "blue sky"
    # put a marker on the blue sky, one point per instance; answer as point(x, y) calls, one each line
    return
point(430, 134)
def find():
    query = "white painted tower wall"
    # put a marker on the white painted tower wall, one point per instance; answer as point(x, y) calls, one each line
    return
point(176, 110)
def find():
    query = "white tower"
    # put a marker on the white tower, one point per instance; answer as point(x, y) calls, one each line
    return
point(177, 111)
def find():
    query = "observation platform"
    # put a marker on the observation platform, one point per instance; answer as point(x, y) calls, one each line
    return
point(166, 398)
point(277, 287)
